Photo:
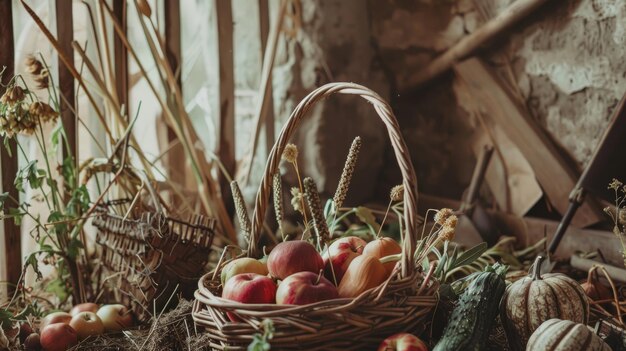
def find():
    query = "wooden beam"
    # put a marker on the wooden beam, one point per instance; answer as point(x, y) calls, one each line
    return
point(121, 56)
point(226, 138)
point(12, 255)
point(470, 43)
point(173, 51)
point(65, 36)
point(264, 24)
point(556, 177)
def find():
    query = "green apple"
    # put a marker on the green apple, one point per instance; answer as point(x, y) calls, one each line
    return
point(242, 265)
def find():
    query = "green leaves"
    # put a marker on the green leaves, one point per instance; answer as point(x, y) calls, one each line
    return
point(366, 216)
point(32, 261)
point(449, 262)
point(260, 342)
point(58, 288)
point(31, 175)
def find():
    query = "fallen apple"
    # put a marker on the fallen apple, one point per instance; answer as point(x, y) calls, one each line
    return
point(304, 288)
point(32, 342)
point(242, 265)
point(339, 255)
point(402, 342)
point(291, 257)
point(55, 317)
point(383, 247)
point(87, 324)
point(115, 317)
point(58, 337)
point(84, 307)
point(25, 331)
point(249, 288)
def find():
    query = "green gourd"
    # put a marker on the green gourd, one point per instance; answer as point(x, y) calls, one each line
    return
point(471, 320)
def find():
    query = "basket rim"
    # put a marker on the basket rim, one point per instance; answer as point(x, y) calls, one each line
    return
point(429, 285)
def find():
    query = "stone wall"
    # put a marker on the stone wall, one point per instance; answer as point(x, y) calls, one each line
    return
point(565, 61)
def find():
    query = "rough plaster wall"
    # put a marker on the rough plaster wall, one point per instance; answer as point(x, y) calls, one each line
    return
point(331, 44)
point(408, 34)
point(568, 62)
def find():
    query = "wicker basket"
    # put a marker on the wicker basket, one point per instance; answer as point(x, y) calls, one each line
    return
point(148, 259)
point(403, 303)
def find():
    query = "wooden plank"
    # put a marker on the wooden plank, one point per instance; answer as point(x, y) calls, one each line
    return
point(556, 177)
point(121, 56)
point(264, 24)
point(65, 36)
point(495, 27)
point(226, 139)
point(12, 255)
point(176, 156)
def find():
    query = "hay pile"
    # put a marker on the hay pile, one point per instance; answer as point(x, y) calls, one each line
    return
point(173, 330)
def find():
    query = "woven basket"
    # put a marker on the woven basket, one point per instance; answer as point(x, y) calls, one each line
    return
point(402, 303)
point(150, 258)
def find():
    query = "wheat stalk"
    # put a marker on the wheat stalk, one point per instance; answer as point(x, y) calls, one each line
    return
point(240, 208)
point(277, 188)
point(315, 205)
point(346, 174)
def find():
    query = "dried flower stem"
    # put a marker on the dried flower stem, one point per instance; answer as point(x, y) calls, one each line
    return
point(240, 208)
point(346, 174)
point(315, 205)
point(295, 166)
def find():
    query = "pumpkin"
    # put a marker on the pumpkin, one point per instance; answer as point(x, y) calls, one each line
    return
point(559, 335)
point(363, 273)
point(533, 300)
point(594, 289)
point(383, 247)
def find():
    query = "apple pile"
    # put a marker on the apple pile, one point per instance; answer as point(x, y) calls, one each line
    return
point(295, 273)
point(60, 331)
point(402, 342)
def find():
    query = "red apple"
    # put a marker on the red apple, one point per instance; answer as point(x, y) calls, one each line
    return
point(87, 324)
point(84, 307)
point(242, 265)
point(340, 253)
point(25, 331)
point(249, 288)
point(55, 317)
point(303, 288)
point(291, 257)
point(115, 317)
point(402, 342)
point(58, 337)
point(32, 342)
point(383, 247)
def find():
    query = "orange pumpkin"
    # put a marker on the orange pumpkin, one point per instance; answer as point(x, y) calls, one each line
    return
point(383, 247)
point(364, 272)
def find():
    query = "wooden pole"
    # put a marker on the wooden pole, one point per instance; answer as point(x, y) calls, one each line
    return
point(176, 156)
point(65, 36)
point(264, 24)
point(12, 255)
point(470, 43)
point(226, 137)
point(121, 57)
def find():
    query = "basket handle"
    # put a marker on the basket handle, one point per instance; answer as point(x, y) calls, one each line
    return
point(402, 156)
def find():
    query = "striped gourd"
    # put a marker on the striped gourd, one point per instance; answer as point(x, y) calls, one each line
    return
point(560, 335)
point(530, 301)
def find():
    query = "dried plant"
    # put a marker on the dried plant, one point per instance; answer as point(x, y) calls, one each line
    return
point(170, 100)
point(290, 154)
point(242, 211)
point(348, 171)
point(277, 188)
point(618, 213)
point(315, 205)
